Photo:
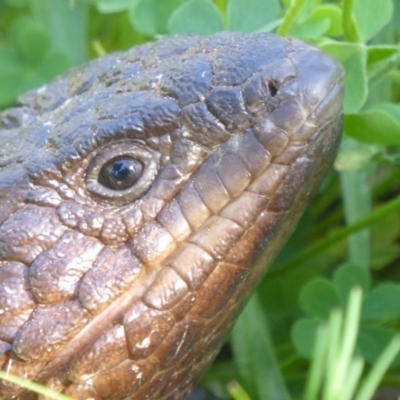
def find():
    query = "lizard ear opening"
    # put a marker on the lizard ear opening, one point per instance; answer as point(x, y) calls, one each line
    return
point(124, 171)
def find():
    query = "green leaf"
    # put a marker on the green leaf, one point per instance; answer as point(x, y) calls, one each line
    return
point(113, 6)
point(254, 355)
point(354, 59)
point(331, 12)
point(382, 303)
point(30, 40)
point(380, 125)
point(303, 334)
point(306, 8)
point(381, 60)
point(372, 341)
point(151, 17)
point(314, 21)
point(318, 297)
point(55, 63)
point(236, 391)
point(66, 24)
point(355, 81)
point(11, 72)
point(243, 18)
point(371, 16)
point(196, 16)
point(9, 60)
point(16, 3)
point(10, 84)
point(30, 64)
point(356, 197)
point(355, 158)
point(391, 108)
point(311, 28)
point(385, 248)
point(346, 277)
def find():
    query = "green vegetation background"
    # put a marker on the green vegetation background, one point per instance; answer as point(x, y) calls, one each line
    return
point(349, 235)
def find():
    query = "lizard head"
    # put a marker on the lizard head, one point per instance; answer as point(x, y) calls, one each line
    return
point(142, 197)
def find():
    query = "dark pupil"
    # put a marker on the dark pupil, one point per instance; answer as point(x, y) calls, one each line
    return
point(121, 173)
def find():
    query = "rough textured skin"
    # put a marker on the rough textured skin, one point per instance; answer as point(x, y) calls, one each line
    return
point(129, 293)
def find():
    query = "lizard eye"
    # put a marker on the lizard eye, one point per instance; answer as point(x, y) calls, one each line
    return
point(122, 171)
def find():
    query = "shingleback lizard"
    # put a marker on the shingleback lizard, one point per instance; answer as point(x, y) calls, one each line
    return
point(142, 197)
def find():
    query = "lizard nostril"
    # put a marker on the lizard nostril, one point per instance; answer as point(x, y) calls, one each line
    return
point(273, 88)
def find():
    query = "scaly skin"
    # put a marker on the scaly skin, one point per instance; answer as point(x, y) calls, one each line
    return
point(110, 293)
